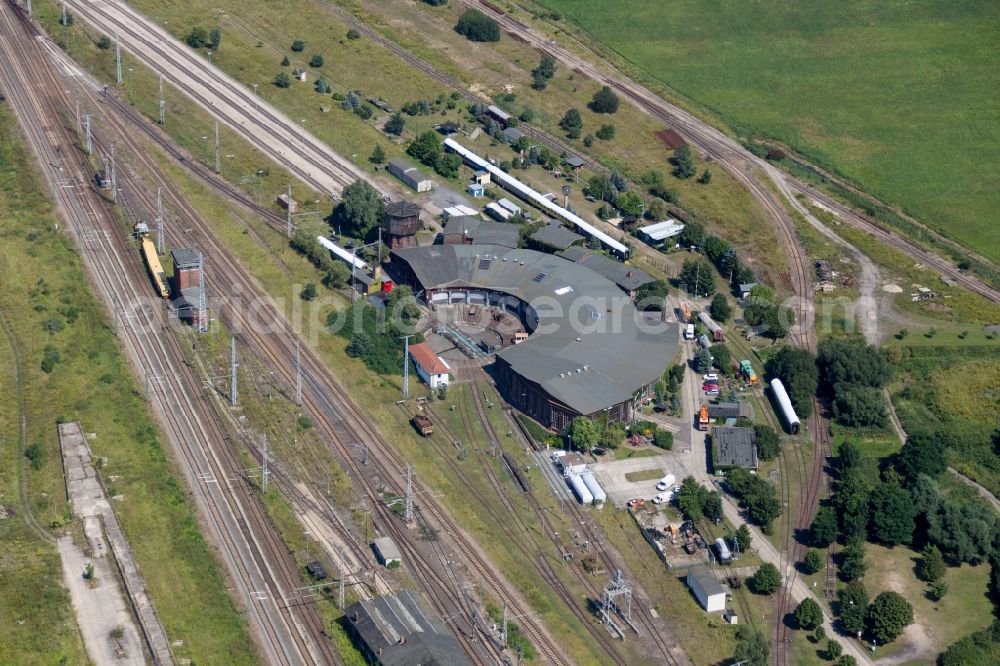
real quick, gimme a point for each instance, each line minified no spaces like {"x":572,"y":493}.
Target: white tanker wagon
{"x":785,"y":406}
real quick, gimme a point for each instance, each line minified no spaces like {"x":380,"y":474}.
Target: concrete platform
{"x":611,"y":476}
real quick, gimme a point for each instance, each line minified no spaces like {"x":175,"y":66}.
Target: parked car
{"x":710,"y":377}
{"x":714,"y":392}
{"x":709,"y":387}
{"x":637,"y":502}
{"x":662,"y":498}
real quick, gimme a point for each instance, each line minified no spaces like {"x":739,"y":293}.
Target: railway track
{"x":319,"y":399}
{"x":253,"y":555}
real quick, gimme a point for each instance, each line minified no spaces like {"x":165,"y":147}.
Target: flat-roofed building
{"x":734,"y":447}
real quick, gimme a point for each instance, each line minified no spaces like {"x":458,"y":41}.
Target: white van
{"x":689,"y":332}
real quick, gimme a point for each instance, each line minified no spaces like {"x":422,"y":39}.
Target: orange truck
{"x":685,"y":311}
{"x":703,"y":418}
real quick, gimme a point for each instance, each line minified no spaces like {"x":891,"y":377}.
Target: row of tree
{"x":852,"y":377}
{"x":756,"y":495}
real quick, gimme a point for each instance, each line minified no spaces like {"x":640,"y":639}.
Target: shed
{"x":476,"y":189}
{"x":555,"y":236}
{"x":397,"y":631}
{"x":431,"y":368}
{"x":387,"y":551}
{"x":512,"y":134}
{"x":287,"y":202}
{"x":459,"y":210}
{"x":731,"y":410}
{"x":745,"y":289}
{"x":448,"y":128}
{"x":509,"y":206}
{"x":482,"y":177}
{"x":573,"y":162}
{"x":708,"y":591}
{"x":656,"y":233}
{"x":734,"y":447}
{"x":410,"y":175}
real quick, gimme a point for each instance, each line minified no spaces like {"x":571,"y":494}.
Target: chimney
{"x":629,"y":274}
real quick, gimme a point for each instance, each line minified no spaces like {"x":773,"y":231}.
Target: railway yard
{"x":300,"y":459}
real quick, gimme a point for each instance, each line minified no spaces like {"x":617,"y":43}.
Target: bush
{"x":104,"y":42}
{"x":477,"y":27}
{"x":664,"y":439}
{"x":197,"y":38}
{"x":364,"y":111}
{"x":49,"y":359}
{"x":36,"y":455}
{"x":285,"y":62}
{"x":605,"y":132}
{"x":282,"y":80}
{"x":308,"y":292}
{"x":316,"y":61}
{"x":353,"y":35}
{"x":766,"y":580}
{"x":823,"y":530}
{"x":932,"y":565}
{"x":378,"y":155}
{"x":683,"y":162}
{"x":852,"y":601}
{"x":67,"y":19}
{"x":298,"y":46}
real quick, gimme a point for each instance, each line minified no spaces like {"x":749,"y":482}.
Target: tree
{"x":378,"y":155}
{"x":36,"y":456}
{"x":812,"y":562}
{"x":844,"y":362}
{"x":833,"y":649}
{"x":360,"y":209}
{"x":316,"y":61}
{"x":585,"y":433}
{"x":690,"y":499}
{"x":477,"y":27}
{"x":353,"y":35}
{"x":887,"y":616}
{"x":605,"y":101}
{"x":796,"y":368}
{"x":823,"y":530}
{"x":629,"y":203}
{"x":753,"y":648}
{"x":613,"y":435}
{"x":104,"y":43}
{"x":852,"y":561}
{"x":702,"y":361}
{"x":768,"y":445}
{"x":308,"y":292}
{"x":852,"y":601}
{"x":395,"y":124}
{"x":719,"y":309}
{"x":744,"y":538}
{"x":321,"y":86}
{"x":923,"y":453}
{"x":282,"y":80}
{"x":663,"y":439}
{"x":285,"y":62}
{"x":336,"y":276}
{"x":215,"y":38}
{"x":847,"y":660}
{"x":650,"y":296}
{"x":66,"y":18}
{"x":808,"y":615}
{"x":713,"y":504}
{"x":858,"y":406}
{"x":937,"y":590}
{"x":932,"y":565}
{"x":364,"y":111}
{"x":965,"y":531}
{"x":360,"y":345}
{"x":197,"y":38}
{"x":656,"y":210}
{"x":298,"y":46}
{"x":693,"y":234}
{"x":605,"y":132}
{"x":777,"y":320}
{"x":546,"y":70}
{"x":699,"y":276}
{"x":706,"y":177}
{"x":851,"y":501}
{"x":892,"y":515}
{"x":683,"y":162}
{"x":572,"y":123}
{"x":766,"y":580}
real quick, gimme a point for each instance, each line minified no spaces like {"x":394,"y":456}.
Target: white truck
{"x":689,"y":332}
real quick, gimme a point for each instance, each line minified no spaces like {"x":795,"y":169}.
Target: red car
{"x":710,"y":386}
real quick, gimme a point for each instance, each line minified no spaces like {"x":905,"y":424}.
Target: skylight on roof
{"x":563,"y":290}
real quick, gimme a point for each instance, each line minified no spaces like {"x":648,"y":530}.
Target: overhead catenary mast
{"x":118,"y":59}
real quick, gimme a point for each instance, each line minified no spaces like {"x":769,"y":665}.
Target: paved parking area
{"x":611,"y":476}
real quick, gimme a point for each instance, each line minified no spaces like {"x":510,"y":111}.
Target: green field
{"x":52,"y":312}
{"x":898,"y":96}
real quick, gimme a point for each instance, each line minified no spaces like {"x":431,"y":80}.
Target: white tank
{"x":723,"y":550}
{"x":593,"y":486}
{"x":580,"y":489}
{"x":785,"y":405}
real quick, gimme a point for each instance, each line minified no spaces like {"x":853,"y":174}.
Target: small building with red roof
{"x":431,"y":368}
